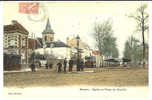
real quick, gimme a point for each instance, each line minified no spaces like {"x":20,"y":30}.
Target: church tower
{"x":48,"y":33}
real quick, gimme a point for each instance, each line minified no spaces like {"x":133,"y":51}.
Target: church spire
{"x":48,"y":28}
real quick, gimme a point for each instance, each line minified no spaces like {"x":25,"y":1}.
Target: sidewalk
{"x":22,"y":70}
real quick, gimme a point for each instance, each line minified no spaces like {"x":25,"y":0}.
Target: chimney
{"x":14,"y":22}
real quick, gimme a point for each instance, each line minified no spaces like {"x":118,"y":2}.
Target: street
{"x":116,"y":76}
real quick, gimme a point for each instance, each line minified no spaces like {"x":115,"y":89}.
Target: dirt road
{"x":100,"y":77}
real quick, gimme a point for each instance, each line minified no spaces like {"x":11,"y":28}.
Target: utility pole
{"x":33,"y":36}
{"x":78,"y":40}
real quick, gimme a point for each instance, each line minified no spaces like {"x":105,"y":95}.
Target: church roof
{"x":57,"y":44}
{"x":48,"y":28}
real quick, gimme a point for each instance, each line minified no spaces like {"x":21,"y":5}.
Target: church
{"x":49,"y":46}
{"x":58,"y":49}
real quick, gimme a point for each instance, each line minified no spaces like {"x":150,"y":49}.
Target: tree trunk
{"x":143,"y":44}
{"x":143,"y":50}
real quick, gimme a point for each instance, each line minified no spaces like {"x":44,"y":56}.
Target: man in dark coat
{"x":70,"y":65}
{"x":65,"y":64}
{"x":32,"y":67}
{"x":81,"y":65}
{"x":59,"y":67}
{"x":50,"y":65}
{"x":46,"y":66}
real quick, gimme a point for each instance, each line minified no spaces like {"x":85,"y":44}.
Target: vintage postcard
{"x":76,"y":49}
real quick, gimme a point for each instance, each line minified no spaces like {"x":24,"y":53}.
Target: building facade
{"x":72,"y":42}
{"x":16,"y":40}
{"x":33,"y":44}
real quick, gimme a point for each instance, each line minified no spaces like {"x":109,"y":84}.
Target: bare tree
{"x":101,"y":31}
{"x":141,"y":16}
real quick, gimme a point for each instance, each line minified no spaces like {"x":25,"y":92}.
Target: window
{"x":45,"y":38}
{"x":23,"y":41}
{"x":12,"y":40}
{"x":51,"y":39}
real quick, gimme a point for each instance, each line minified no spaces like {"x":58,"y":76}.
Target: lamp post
{"x":44,"y":52}
{"x":51,"y":45}
{"x":78,"y":40}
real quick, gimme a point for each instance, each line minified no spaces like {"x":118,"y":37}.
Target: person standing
{"x":32,"y":67}
{"x":50,"y":65}
{"x":70,"y":65}
{"x":65,"y":64}
{"x":46,"y":66}
{"x":59,"y":67}
{"x":81,"y":65}
{"x":39,"y":64}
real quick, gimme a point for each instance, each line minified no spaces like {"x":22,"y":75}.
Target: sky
{"x":77,"y":18}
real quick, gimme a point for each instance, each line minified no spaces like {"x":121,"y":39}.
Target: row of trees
{"x":134,"y":49}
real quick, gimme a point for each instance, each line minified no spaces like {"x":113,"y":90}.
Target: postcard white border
{"x":1,"y":59}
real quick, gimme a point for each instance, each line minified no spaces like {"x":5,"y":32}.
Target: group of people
{"x":65,"y":65}
{"x":33,"y":66}
{"x":59,"y":64}
{"x":71,"y":62}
